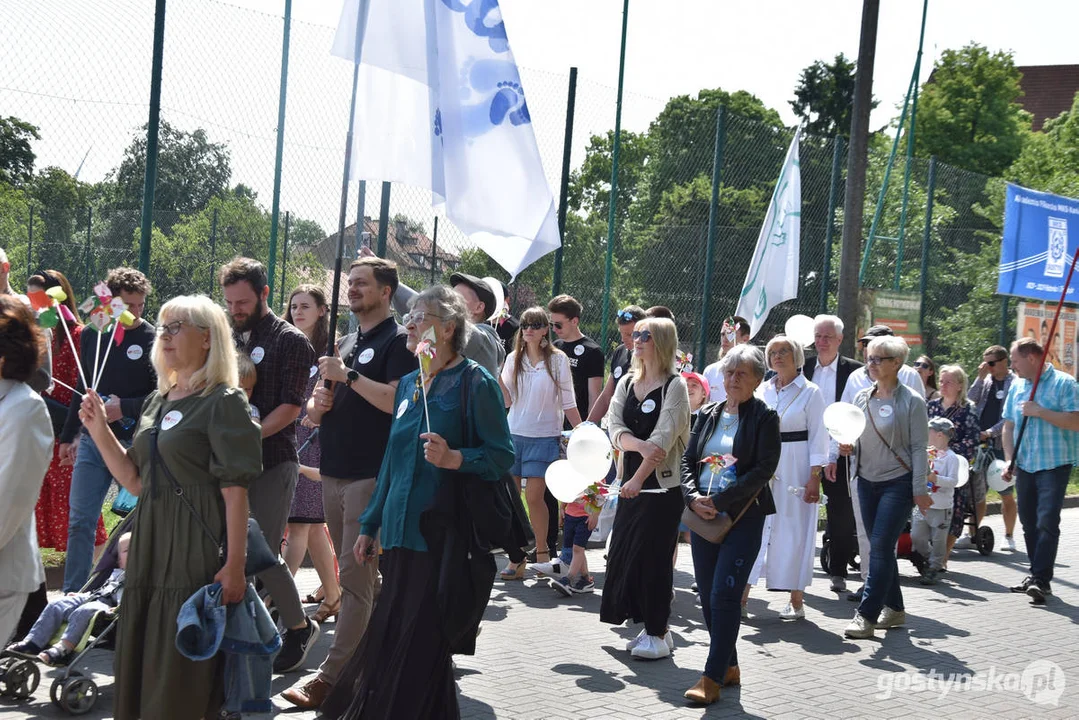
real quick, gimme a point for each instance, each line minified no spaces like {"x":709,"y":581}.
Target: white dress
{"x":790,"y":535}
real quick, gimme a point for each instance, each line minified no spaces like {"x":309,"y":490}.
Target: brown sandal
{"x":325,"y":612}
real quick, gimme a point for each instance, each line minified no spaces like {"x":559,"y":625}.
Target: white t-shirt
{"x":717,"y":393}
{"x":946,"y":466}
{"x":537,"y":406}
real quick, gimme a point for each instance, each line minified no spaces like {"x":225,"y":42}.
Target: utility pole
{"x":854,"y":197}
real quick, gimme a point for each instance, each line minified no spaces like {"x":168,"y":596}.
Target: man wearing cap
{"x":1045,"y":458}
{"x":620,"y":360}
{"x":830,"y":372}
{"x":735,"y":332}
{"x":484,"y":346}
{"x":858,"y":381}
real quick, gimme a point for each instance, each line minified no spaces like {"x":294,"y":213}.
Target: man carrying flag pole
{"x":773,"y":272}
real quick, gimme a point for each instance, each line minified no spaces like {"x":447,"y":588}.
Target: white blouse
{"x":538,"y":405}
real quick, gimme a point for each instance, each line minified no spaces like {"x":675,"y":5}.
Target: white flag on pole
{"x":440,"y":106}
{"x":773,"y":272}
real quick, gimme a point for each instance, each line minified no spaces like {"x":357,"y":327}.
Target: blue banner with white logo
{"x":1035,"y":254}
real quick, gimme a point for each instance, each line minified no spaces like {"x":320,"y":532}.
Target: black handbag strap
{"x":177,"y":489}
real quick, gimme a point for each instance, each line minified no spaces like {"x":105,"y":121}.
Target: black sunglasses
{"x":642,"y":335}
{"x":923,"y":366}
{"x":625,"y":316}
{"x":557,"y":325}
{"x":534,"y":326}
{"x":991,"y":363}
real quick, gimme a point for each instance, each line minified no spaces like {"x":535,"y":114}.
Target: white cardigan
{"x":671,"y":432}
{"x":25,"y":452}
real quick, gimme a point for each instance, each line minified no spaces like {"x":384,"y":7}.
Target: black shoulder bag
{"x":259,"y":556}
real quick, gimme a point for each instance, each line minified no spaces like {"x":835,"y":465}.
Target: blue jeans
{"x":886,"y":508}
{"x":77,"y":610}
{"x":1040,"y":496}
{"x":90,"y":480}
{"x":721,"y":572}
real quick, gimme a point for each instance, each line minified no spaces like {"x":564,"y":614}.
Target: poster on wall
{"x":901,"y":311}
{"x":1034,"y":320}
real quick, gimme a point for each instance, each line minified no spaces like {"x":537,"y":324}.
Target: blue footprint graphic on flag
{"x":500,"y":98}
{"x":484,"y":19}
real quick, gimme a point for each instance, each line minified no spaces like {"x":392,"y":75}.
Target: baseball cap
{"x":942,"y":424}
{"x":875,"y":332}
{"x":700,"y":379}
{"x":481,"y":288}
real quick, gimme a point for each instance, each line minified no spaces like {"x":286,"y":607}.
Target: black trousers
{"x":841,"y":530}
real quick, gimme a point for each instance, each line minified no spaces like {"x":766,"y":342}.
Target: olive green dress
{"x":208,"y":443}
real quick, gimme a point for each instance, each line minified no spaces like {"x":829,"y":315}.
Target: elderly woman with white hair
{"x":789,"y":536}
{"x":891,"y":467}
{"x":195,"y":435}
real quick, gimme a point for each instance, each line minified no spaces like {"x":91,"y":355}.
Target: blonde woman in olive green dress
{"x":213,"y":448}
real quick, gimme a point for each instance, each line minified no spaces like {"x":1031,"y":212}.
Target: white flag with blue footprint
{"x":440,"y":106}
{"x":773,"y":272}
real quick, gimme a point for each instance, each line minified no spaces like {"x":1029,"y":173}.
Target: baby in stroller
{"x":78,"y":610}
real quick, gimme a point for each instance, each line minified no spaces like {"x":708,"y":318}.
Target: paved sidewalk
{"x":544,"y":656}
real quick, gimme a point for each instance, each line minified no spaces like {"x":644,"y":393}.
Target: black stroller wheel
{"x":984,"y":540}
{"x":78,"y":695}
{"x":20,"y":679}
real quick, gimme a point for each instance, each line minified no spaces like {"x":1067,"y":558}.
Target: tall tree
{"x":969,"y":113}
{"x":16,"y":155}
{"x":824,"y":96}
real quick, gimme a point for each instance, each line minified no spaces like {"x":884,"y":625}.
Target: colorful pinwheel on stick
{"x":50,"y":308}
{"x":426,"y":352}
{"x":106,"y":311}
{"x":595,"y":496}
{"x":684,"y":361}
{"x":722,"y":467}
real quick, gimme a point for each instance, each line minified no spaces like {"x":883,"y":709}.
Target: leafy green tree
{"x":590,"y":185}
{"x":824,"y":96}
{"x":16,"y":156}
{"x":1050,"y":158}
{"x":969,"y":113}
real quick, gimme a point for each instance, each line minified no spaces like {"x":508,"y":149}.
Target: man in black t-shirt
{"x":354,"y":421}
{"x":620,"y":360}
{"x":585,"y":356}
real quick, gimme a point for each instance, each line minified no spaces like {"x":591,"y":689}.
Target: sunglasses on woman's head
{"x":642,"y":335}
{"x":625,"y":316}
{"x":535,"y":326}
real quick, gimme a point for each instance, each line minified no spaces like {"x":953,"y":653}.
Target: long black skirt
{"x":402,"y":668}
{"x":640,"y":574}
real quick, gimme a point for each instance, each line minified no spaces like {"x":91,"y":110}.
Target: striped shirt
{"x":1045,"y":446}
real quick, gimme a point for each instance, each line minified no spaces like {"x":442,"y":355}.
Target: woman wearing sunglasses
{"x":649,"y":425}
{"x":537,"y":386}
{"x":891,"y":464}
{"x":927,"y":371}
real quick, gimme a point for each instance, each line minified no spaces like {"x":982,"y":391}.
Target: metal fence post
{"x":284,"y":257}
{"x":30,"y":245}
{"x":150,"y":181}
{"x":713,"y":212}
{"x":829,"y":231}
{"x":434,"y":252}
{"x":567,"y":148}
{"x":213,"y":251}
{"x":932,"y":184}
{"x":89,"y":282}
{"x":276,"y":203}
{"x":383,"y":220}
{"x":361,"y":214}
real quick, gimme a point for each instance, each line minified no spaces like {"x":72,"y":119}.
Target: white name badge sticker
{"x":257,"y":354}
{"x":366,"y":356}
{"x":171,"y":419}
{"x":618,"y":372}
{"x":314,"y":371}
{"x":648,"y":406}
{"x":579,"y":350}
{"x":885,"y":411}
{"x":402,"y":408}
{"x":134,"y":352}
{"x":1000,"y":394}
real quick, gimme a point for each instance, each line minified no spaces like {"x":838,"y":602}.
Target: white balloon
{"x":845,"y":422}
{"x":800,"y":329}
{"x":589,"y":451}
{"x":565,"y":483}
{"x":964,"y":472}
{"x":994,"y":476}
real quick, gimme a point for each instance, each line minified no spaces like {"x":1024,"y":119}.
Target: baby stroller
{"x":984,"y":540}
{"x":72,"y":691}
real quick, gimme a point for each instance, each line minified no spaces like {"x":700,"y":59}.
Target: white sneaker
{"x":551,"y":569}
{"x":651,"y":648}
{"x":792,"y":613}
{"x":964,"y":543}
{"x":860,"y":628}
{"x":892,"y":618}
{"x":1009,"y":542}
{"x":636,"y":641}
{"x":669,"y":639}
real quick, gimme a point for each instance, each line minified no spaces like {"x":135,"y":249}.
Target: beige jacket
{"x":671,"y":433}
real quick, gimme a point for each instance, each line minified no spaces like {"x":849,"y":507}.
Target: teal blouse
{"x":406,"y":482}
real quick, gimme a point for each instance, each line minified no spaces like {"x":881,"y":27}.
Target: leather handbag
{"x":716,"y":529}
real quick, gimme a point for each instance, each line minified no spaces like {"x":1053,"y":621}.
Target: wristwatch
{"x":353,"y":376}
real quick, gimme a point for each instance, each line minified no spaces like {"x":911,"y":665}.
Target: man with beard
{"x":354,"y":426}
{"x":283,"y":358}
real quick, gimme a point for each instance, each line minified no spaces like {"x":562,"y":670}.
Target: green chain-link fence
{"x":79,"y":72}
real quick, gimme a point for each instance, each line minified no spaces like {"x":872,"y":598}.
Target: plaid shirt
{"x":283,"y":360}
{"x":1045,"y":446}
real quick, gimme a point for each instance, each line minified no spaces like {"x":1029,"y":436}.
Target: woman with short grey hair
{"x":443,"y":303}
{"x":891,"y":464}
